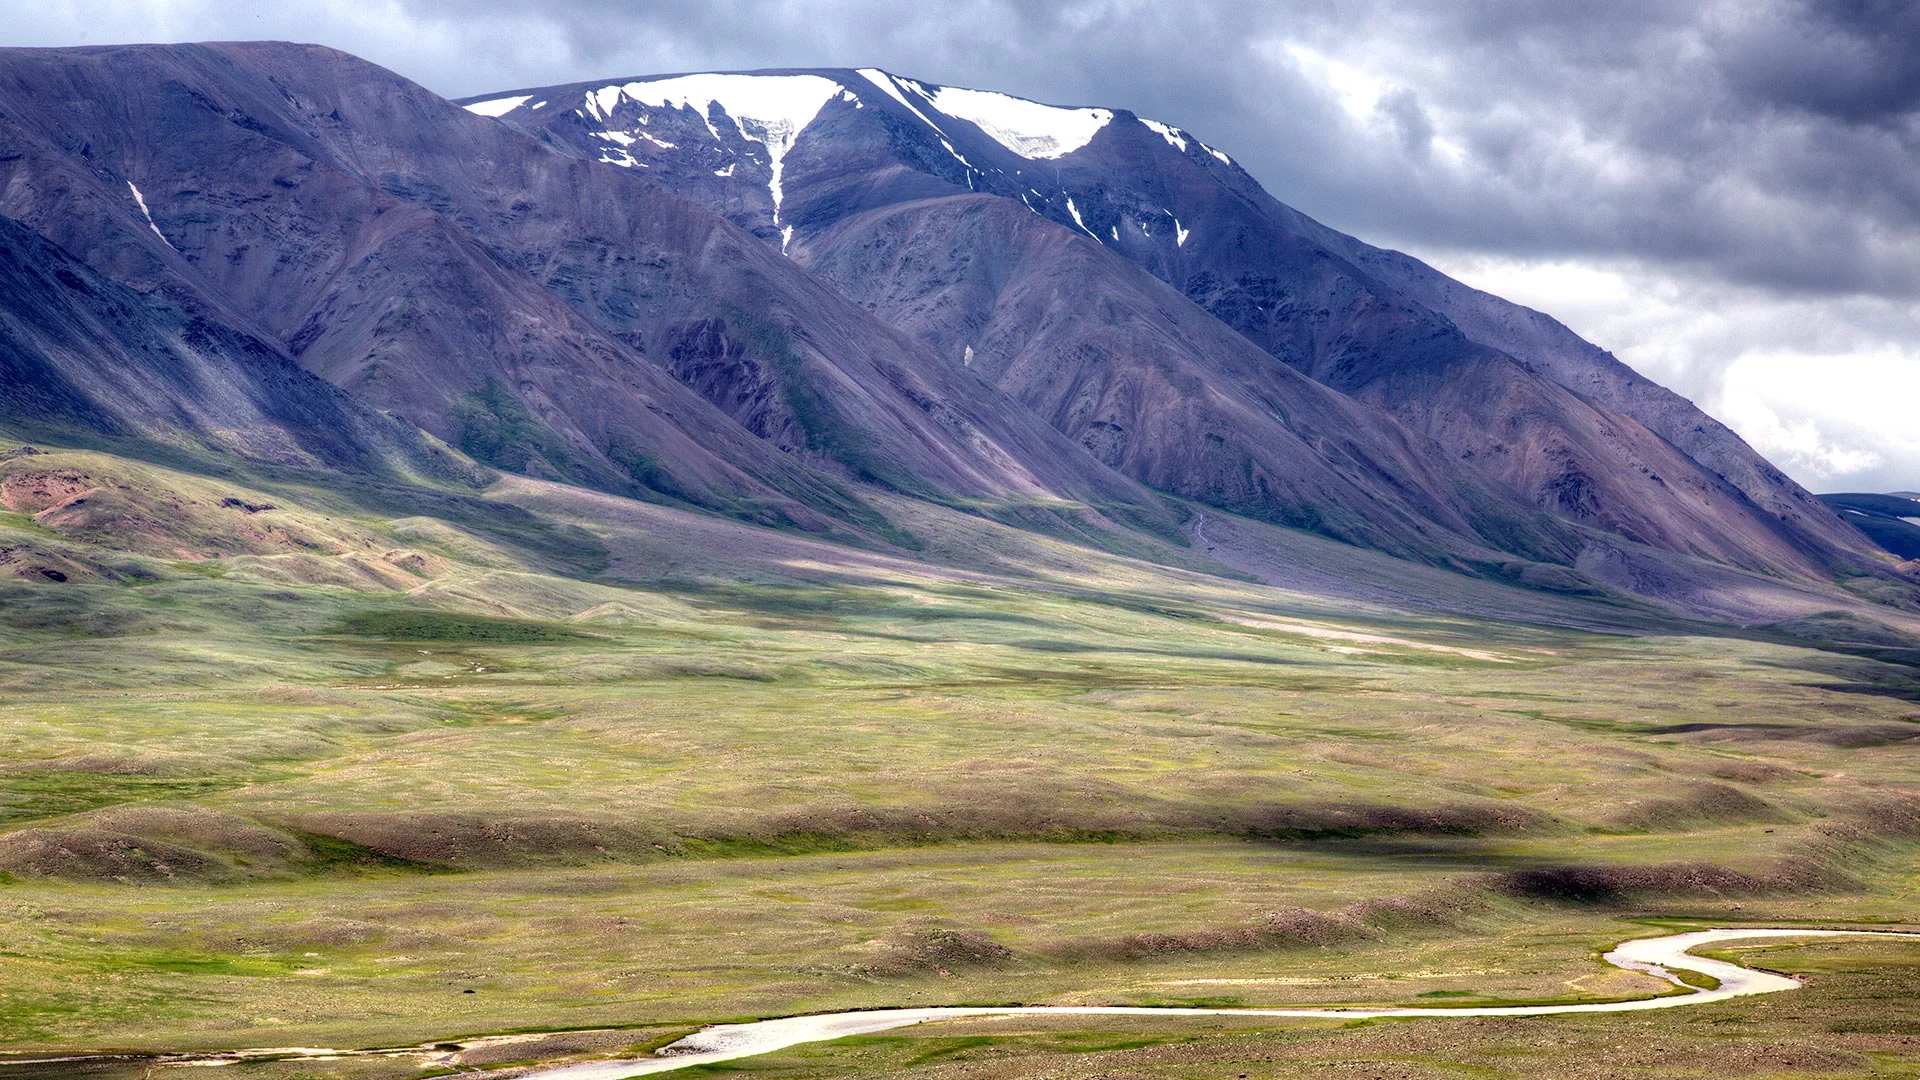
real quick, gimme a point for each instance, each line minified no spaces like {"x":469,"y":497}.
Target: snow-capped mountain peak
{"x":1028,"y":128}
{"x":720,"y":135}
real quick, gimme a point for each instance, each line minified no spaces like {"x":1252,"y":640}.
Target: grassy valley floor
{"x":283,"y":766}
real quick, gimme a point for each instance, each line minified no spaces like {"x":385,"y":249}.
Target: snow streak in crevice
{"x":145,"y":213}
{"x":892,"y":85}
{"x":1075,"y":211}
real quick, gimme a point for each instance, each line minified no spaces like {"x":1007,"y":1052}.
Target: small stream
{"x":1658,"y":956}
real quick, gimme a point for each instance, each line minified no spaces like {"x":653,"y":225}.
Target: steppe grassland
{"x":786,"y":785}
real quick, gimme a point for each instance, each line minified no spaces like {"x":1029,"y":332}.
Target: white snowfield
{"x":771,"y":110}
{"x":774,"y":109}
{"x":497,"y":106}
{"x":1175,"y":138}
{"x":1027,"y":128}
{"x":1658,"y":957}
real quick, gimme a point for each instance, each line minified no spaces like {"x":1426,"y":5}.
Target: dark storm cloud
{"x":1767,"y":143}
{"x":1761,"y":141}
{"x":1400,"y":106}
{"x":1849,"y":60}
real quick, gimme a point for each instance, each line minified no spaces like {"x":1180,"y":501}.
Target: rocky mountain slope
{"x":544,"y":314}
{"x":776,"y":296}
{"x":1004,"y":233}
{"x":565,"y":318}
{"x":80,"y":351}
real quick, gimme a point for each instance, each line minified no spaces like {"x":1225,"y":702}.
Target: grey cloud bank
{"x":1723,"y":193}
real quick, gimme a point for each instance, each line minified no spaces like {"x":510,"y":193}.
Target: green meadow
{"x":287,"y":765}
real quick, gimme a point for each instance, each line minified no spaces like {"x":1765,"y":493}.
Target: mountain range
{"x":791,"y":297}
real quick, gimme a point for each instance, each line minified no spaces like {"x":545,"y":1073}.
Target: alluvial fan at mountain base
{"x":511,"y":582}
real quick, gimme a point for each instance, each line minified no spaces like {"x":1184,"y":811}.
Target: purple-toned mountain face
{"x":1087,"y":261}
{"x":544,"y":314}
{"x":572,"y":318}
{"x":86,"y":353}
{"x":777,"y":296}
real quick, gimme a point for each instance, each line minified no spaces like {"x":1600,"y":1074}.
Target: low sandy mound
{"x":42,"y":563}
{"x":930,"y":948}
{"x":395,"y":570}
{"x":1676,"y":808}
{"x":197,"y":828}
{"x":477,"y":840}
{"x":88,"y":854}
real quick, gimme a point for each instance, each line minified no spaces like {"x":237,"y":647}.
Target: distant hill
{"x":1891,"y":521}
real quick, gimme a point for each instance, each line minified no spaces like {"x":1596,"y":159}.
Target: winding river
{"x":1659,"y":956}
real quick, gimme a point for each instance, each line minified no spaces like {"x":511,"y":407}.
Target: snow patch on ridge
{"x":1168,"y":132}
{"x":498,"y":106}
{"x":601,"y":102}
{"x":886,"y":84}
{"x":892,"y":84}
{"x":1027,"y":128}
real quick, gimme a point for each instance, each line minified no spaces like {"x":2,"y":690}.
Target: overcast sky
{"x":1723,"y":193}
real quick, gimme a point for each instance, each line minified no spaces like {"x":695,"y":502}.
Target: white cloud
{"x":1829,"y":420}
{"x":1358,"y":92}
{"x":1827,"y":388}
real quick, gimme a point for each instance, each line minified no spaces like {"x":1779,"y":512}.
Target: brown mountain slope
{"x":1597,"y":376}
{"x":1221,"y":429}
{"x":426,"y":259}
{"x":1548,"y":419}
{"x":1148,"y":382}
{"x":81,"y":352}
